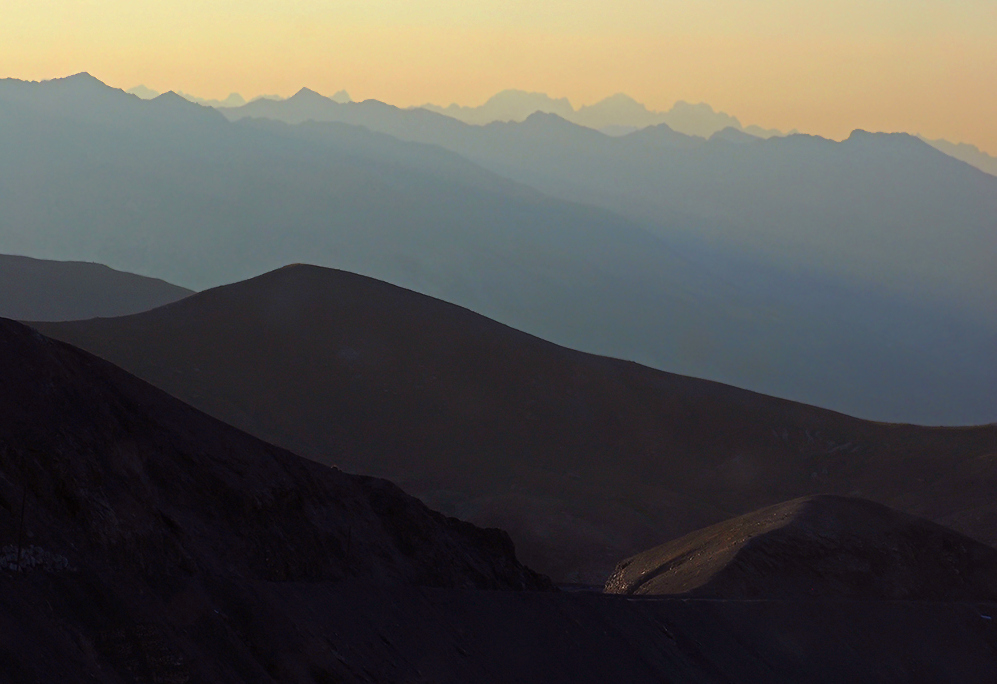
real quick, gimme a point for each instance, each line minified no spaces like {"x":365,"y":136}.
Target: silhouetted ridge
{"x":308,"y":95}
{"x":583,"y":459}
{"x":817,"y":548}
{"x":40,"y":290}
{"x":127,"y":479}
{"x":734,"y":135}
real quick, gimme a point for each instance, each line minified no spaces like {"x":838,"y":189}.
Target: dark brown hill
{"x":42,"y":290}
{"x":816,"y":547}
{"x":584,"y":459}
{"x":163,"y":546}
{"x":119,"y":474}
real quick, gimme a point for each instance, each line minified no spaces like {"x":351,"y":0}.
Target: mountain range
{"x":833,"y":313}
{"x":147,"y":542}
{"x":222,"y":516}
{"x":583,"y":459}
{"x":616,"y":115}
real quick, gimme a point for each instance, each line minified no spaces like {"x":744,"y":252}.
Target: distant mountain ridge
{"x":500,"y":219}
{"x":616,"y":115}
{"x":619,"y":111}
{"x":39,"y":290}
{"x":233,"y":99}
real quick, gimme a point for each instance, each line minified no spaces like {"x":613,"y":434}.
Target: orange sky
{"x":824,"y":67}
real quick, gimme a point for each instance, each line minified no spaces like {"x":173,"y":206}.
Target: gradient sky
{"x":823,"y":66}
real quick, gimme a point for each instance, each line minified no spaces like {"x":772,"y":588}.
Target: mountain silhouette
{"x":970,"y":154}
{"x":614,"y":112}
{"x":38,"y":290}
{"x":137,"y":515}
{"x":860,"y":210}
{"x":583,"y":459}
{"x":145,"y":541}
{"x":508,"y":105}
{"x":816,"y":547}
{"x":843,"y":306}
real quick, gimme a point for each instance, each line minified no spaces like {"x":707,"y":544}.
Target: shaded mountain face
{"x":154,"y":536}
{"x":121,"y":477}
{"x":39,"y":290}
{"x":161,"y":545}
{"x":584,"y":459}
{"x":816,"y":548}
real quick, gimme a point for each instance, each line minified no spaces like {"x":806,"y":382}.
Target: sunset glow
{"x":824,"y":67}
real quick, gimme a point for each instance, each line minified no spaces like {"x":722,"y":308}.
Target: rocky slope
{"x":126,"y":514}
{"x":816,"y":547}
{"x":159,"y":545}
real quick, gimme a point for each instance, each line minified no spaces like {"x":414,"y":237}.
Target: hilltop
{"x":583,"y":459}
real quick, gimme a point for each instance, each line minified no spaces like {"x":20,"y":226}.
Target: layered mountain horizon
{"x":855,"y":276}
{"x":584,"y":459}
{"x":313,"y":390}
{"x":615,"y":115}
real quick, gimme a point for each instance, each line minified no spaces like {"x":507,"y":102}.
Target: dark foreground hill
{"x":163,"y":546}
{"x":129,"y":495}
{"x":816,"y":547}
{"x":41,"y":290}
{"x":583,"y":459}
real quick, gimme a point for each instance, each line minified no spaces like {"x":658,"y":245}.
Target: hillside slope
{"x":39,"y":290}
{"x":816,"y":547}
{"x":162,"y":546}
{"x":584,"y":459}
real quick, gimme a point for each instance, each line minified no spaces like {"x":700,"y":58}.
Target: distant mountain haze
{"x":620,"y":114}
{"x":168,"y":188}
{"x":616,"y":111}
{"x":508,"y":105}
{"x":39,"y":290}
{"x":862,"y":210}
{"x":584,"y":459}
{"x":970,"y":154}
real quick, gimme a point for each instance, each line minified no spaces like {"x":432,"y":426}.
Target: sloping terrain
{"x":118,"y":501}
{"x":816,"y":547}
{"x":39,"y":290}
{"x":159,"y":545}
{"x":583,"y":459}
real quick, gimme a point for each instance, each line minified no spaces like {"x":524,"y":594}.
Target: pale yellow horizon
{"x":823,"y":67}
